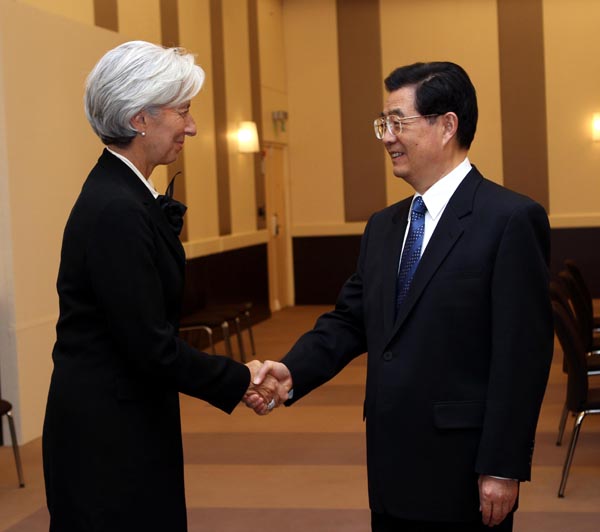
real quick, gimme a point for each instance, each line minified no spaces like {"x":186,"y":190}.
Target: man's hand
{"x":265,"y":391}
{"x":277,"y":370}
{"x":497,"y":497}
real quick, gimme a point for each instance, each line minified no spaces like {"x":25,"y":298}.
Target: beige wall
{"x":314,"y":93}
{"x":438,"y":30}
{"x":239,"y":108}
{"x":273,"y":75}
{"x":139,"y":19}
{"x":573,"y":95}
{"x":48,"y":150}
{"x":199,"y":154}
{"x":317,"y":195}
{"x":78,"y":10}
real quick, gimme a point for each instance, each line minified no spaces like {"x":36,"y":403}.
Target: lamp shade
{"x":247,"y":138}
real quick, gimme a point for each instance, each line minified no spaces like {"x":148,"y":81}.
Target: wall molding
{"x":575,"y":221}
{"x":209,"y":246}
{"x":349,"y":228}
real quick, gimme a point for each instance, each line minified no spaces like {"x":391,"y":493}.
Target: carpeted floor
{"x":303,"y":468}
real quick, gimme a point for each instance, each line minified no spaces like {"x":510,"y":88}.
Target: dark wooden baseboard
{"x":322,"y":264}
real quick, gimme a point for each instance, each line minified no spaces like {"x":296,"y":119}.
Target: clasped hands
{"x":270,"y":384}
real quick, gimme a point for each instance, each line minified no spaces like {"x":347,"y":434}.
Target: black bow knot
{"x":173,"y":209}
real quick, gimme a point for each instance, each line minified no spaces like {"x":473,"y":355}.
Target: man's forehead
{"x":401,"y":101}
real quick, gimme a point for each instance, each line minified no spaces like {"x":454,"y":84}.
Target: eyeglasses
{"x":393,"y":124}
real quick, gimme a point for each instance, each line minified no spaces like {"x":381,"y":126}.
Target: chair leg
{"x":15,"y":446}
{"x":227,"y":339}
{"x":238,"y":331}
{"x":570,"y":453}
{"x":209,"y":333}
{"x":250,"y":334}
{"x":561,"y":425}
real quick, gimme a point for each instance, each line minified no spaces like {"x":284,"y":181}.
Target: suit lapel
{"x":391,"y":259}
{"x":126,"y":178}
{"x":447,"y":232}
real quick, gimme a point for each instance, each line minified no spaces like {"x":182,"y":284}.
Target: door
{"x":279,"y":249}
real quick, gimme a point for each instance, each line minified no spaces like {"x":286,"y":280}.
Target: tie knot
{"x":418,"y":205}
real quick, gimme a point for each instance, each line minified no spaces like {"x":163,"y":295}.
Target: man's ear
{"x":450,"y":126}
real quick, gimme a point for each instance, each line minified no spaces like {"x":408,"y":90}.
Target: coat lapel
{"x":447,"y":232}
{"x":391,"y":259}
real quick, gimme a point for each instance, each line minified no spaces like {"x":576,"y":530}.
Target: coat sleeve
{"x":337,"y":337}
{"x":121,"y":259}
{"x":522,"y":345}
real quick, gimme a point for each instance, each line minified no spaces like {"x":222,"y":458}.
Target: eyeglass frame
{"x":400,"y":121}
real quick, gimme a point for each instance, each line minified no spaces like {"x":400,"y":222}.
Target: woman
{"x":112,"y":438}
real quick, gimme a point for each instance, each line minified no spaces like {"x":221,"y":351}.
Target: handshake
{"x":270,"y":385}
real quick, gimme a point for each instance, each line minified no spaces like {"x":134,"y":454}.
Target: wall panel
{"x":572,"y":80}
{"x":202,"y":217}
{"x":523,"y":93}
{"x":315,"y":153}
{"x":239,"y":108}
{"x":140,"y":19}
{"x":77,"y":10}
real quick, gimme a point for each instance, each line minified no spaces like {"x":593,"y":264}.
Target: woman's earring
{"x":143,"y":133}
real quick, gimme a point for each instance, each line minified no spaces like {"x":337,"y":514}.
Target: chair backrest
{"x":560,"y":295}
{"x":575,"y":356}
{"x":582,"y":286}
{"x":583,"y":315}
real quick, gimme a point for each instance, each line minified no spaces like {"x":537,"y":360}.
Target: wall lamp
{"x":596,"y":127}
{"x":247,"y":136}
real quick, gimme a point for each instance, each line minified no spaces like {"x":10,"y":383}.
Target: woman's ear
{"x":138,"y":122}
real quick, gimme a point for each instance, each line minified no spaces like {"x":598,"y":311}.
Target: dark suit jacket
{"x":112,"y":438}
{"x":455,"y":381}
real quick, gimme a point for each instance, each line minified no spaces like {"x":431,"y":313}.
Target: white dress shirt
{"x":436,"y":198}
{"x":147,"y":182}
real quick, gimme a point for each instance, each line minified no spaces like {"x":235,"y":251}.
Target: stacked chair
{"x":573,"y":325}
{"x":223,"y":315}
{"x":6,"y":410}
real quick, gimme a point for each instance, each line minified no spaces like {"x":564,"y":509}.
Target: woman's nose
{"x":190,"y":126}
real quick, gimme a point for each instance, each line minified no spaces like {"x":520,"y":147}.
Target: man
{"x":450,"y":299}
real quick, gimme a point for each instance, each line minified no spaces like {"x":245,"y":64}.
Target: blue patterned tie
{"x":412,"y":250}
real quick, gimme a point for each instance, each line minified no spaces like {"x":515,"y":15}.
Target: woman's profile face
{"x":166,"y":132}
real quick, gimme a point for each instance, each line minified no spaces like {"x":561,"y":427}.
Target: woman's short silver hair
{"x":136,"y":76}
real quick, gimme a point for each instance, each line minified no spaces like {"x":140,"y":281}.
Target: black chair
{"x":6,"y":410}
{"x":581,"y":400}
{"x":207,"y":321}
{"x":241,"y":312}
{"x":190,"y":330}
{"x":583,"y":311}
{"x":582,"y":286}
{"x":559,"y":292}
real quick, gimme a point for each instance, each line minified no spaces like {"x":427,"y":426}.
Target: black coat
{"x":455,"y":381}
{"x":112,"y":437}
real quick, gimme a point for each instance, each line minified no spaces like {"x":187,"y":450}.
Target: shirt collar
{"x":438,"y":195}
{"x":147,"y":182}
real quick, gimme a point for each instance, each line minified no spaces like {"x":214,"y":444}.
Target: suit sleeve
{"x":121,"y":255}
{"x":522,"y":345}
{"x":337,"y":337}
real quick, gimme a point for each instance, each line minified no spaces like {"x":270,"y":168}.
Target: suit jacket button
{"x":387,"y":356}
